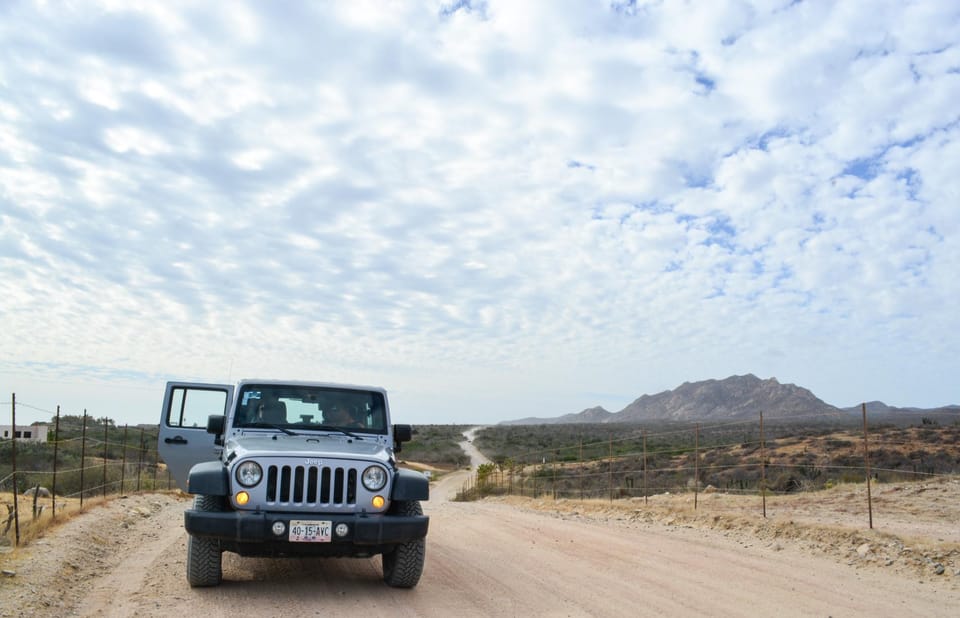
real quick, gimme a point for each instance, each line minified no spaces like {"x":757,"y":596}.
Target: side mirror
{"x":215,"y":424}
{"x":401,"y":434}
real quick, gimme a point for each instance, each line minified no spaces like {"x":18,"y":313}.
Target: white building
{"x":36,"y":432}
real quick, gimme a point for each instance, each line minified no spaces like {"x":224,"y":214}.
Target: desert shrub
{"x":437,"y":445}
{"x":785,"y":482}
{"x":823,"y":454}
{"x":837,"y":443}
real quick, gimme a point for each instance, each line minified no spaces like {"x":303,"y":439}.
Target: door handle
{"x":175,"y":440}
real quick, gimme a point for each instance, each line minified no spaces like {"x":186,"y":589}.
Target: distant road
{"x":476,"y":457}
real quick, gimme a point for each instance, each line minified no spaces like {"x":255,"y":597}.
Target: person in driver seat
{"x":340,"y":415}
{"x":272,"y":410}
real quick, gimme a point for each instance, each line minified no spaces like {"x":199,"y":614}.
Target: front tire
{"x":403,"y":565}
{"x":204,"y":556}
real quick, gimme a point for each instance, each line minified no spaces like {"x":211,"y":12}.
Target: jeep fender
{"x":208,"y":479}
{"x":409,"y":485}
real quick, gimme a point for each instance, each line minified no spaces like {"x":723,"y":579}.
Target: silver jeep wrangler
{"x":292,"y":469}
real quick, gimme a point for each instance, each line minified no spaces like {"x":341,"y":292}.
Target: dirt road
{"x":483,"y":559}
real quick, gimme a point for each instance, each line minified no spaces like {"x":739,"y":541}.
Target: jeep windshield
{"x":286,"y":408}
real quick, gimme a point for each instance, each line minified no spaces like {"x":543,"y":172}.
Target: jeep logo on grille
{"x":312,"y":462}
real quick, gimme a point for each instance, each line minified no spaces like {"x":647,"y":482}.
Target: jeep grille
{"x":311,"y":485}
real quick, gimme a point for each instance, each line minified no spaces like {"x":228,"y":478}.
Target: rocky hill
{"x":596,"y":414}
{"x":733,"y":398}
{"x":878,"y":409}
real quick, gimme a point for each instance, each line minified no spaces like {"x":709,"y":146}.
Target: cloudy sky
{"x":494,"y":209}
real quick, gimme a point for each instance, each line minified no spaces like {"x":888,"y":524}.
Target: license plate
{"x":309,"y":531}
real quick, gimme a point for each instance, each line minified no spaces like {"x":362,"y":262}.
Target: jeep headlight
{"x":374,"y":478}
{"x":249,"y":473}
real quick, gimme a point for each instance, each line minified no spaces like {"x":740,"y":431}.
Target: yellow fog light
{"x":242,"y":498}
{"x":378,"y":502}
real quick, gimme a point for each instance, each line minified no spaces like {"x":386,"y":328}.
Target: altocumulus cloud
{"x":495,"y":209}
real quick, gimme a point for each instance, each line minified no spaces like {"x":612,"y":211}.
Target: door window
{"x":190,"y":407}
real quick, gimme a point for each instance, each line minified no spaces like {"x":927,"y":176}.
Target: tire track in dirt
{"x":116,"y":592}
{"x":492,"y":559}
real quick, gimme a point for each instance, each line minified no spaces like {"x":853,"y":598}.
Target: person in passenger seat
{"x":340,"y":415}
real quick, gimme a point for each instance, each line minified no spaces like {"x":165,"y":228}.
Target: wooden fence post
{"x":56,"y":443}
{"x":83,"y":455}
{"x":13,"y":454}
{"x":644,"y":467}
{"x":581,"y":468}
{"x":696,"y":465}
{"x":554,"y":487}
{"x":763,"y":468}
{"x":123,"y":459}
{"x":866,"y":463}
{"x":610,"y":467}
{"x":522,"y":468}
{"x":105,"y":443}
{"x":536,"y":478}
{"x":156,"y":470}
{"x":140,"y":460}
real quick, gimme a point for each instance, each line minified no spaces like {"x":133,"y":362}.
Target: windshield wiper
{"x":333,"y":428}
{"x":259,"y":425}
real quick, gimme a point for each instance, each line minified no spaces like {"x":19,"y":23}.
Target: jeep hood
{"x":306,"y":446}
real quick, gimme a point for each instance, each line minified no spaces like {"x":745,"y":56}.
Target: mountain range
{"x":733,"y":398}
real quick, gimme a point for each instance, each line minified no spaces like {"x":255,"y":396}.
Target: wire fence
{"x":739,"y":458}
{"x":40,"y":479}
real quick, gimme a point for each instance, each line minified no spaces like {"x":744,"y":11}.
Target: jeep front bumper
{"x":256,"y":527}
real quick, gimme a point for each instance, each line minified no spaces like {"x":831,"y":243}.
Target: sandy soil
{"x":513,"y":556}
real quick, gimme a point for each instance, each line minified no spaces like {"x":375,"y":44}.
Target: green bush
{"x":437,"y":445}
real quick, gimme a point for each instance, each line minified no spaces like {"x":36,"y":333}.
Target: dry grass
{"x":32,"y":528}
{"x":914,"y":523}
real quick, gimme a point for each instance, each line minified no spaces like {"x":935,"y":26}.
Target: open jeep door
{"x":183,"y":440}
